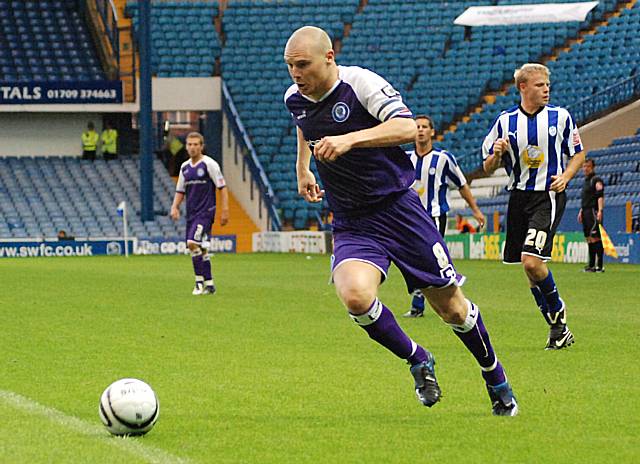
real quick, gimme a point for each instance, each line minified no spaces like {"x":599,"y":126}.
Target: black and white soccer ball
{"x":129,"y":407}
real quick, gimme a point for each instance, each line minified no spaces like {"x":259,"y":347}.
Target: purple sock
{"x":475,"y":337}
{"x":382,"y":327}
{"x":206,"y":266}
{"x":196,"y":259}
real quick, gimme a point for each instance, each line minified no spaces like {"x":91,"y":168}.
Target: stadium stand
{"x":442,"y":72}
{"x":184,"y":40}
{"x":41,"y":195}
{"x":252,"y":67}
{"x":600,"y":60}
{"x":45,"y":41}
{"x":460,"y":77}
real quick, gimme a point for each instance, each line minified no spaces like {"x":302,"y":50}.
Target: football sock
{"x":592,"y":254}
{"x":196,"y":259}
{"x":475,"y":337}
{"x":550,"y":292}
{"x":382,"y":327}
{"x":206,"y":266}
{"x":541,"y":302}
{"x":418,"y":300}
{"x":599,"y":252}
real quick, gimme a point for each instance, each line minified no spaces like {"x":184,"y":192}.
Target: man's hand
{"x":224,"y":217}
{"x":308,"y":188}
{"x":175,"y":213}
{"x":559,"y":183}
{"x":329,"y":148}
{"x":599,"y":216}
{"x":500,"y":147}
{"x":580,"y":216}
{"x":477,"y":214}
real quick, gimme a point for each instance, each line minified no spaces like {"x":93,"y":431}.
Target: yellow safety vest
{"x":175,"y":146}
{"x":89,"y":140}
{"x":109,"y":140}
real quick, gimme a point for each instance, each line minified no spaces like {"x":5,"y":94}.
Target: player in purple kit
{"x":352,"y":121}
{"x":198,"y":179}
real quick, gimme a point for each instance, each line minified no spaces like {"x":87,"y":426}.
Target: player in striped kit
{"x":352,"y":122}
{"x":436,"y":172}
{"x":531,"y":140}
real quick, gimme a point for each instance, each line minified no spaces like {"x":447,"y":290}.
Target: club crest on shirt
{"x":340,"y":112}
{"x":200,"y":172}
{"x":432,"y":171}
{"x":552,"y":131}
{"x":533,"y":156}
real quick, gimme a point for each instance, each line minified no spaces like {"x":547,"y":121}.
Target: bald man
{"x":352,"y":121}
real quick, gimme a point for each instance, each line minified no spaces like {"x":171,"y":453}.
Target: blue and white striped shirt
{"x":537,"y":142}
{"x":435,"y":173}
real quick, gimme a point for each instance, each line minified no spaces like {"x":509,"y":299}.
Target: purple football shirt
{"x":363,"y":179}
{"x":198,"y":183}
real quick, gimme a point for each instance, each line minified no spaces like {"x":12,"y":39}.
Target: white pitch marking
{"x":131,"y":446}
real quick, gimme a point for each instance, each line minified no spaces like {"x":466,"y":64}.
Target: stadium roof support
{"x":146,"y":130}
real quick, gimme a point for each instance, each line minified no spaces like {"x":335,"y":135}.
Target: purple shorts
{"x":198,"y":228}
{"x":402,"y":234}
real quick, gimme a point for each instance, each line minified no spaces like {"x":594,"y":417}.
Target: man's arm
{"x":494,"y":160}
{"x":395,"y":131}
{"x":224,"y":199}
{"x":307,"y":185}
{"x":175,"y":207}
{"x":559,"y":183}
{"x":600,"y":209}
{"x":465,"y":192}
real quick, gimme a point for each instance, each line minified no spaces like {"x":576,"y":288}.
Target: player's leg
{"x":196,"y":260}
{"x":517,"y":226}
{"x":417,"y":305}
{"x":195,"y":231}
{"x":209,"y":286}
{"x":356,"y":283}
{"x":546,"y":214}
{"x":464,"y":318}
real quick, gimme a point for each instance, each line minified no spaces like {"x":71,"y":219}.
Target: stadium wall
{"x":45,"y":130}
{"x":568,"y":247}
{"x":621,"y":123}
{"x":44,"y":134}
{"x":239,"y":178}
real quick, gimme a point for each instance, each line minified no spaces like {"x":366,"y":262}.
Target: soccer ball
{"x":129,"y":407}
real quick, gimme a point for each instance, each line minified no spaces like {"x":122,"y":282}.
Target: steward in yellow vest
{"x":89,"y":142}
{"x":109,"y":140}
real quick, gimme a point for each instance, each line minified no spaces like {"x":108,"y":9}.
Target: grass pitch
{"x":271,"y":370}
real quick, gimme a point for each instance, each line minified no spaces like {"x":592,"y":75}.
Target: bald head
{"x":311,"y":61}
{"x":313,"y":38}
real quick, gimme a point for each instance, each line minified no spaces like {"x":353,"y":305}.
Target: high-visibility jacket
{"x":109,"y":141}
{"x":89,"y":140}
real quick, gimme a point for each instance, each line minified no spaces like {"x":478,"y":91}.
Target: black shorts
{"x":441,"y":223}
{"x":590,"y":224}
{"x":532,"y":220}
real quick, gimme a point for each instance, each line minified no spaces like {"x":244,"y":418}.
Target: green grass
{"x":271,"y":370}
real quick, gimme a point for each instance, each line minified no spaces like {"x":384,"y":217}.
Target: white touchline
{"x":131,"y":446}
